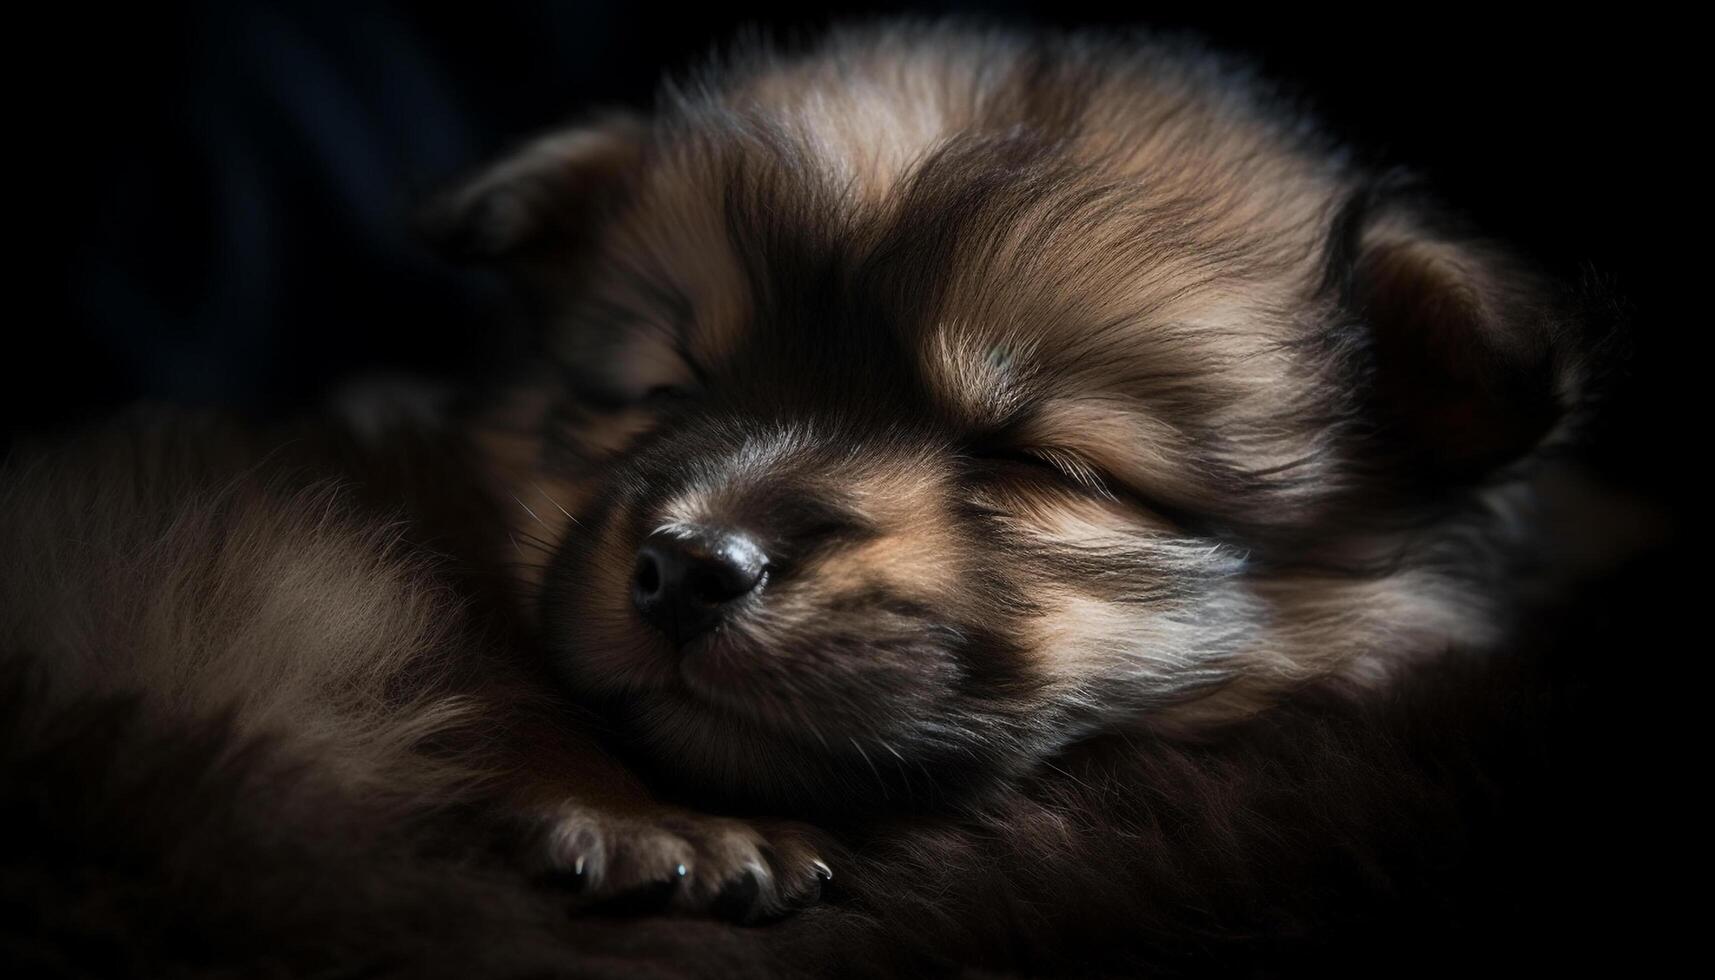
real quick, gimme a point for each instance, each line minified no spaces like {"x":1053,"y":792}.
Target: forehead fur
{"x":1114,"y":248}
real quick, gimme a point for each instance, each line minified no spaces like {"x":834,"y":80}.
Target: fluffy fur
{"x":1070,"y":385}
{"x":1149,"y":490}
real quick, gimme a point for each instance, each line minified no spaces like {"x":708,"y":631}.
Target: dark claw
{"x":820,"y":888}
{"x":737,"y":901}
{"x":813,"y":894}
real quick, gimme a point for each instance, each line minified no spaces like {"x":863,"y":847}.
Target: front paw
{"x":668,"y":858}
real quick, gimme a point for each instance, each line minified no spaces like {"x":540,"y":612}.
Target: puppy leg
{"x":590,"y":825}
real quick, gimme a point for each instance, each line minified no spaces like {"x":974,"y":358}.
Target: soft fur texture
{"x":1069,"y":385}
{"x":1171,"y":524}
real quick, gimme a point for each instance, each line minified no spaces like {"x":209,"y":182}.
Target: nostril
{"x":646,"y":578}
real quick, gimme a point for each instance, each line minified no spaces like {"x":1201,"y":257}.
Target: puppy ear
{"x":543,"y":199}
{"x":1477,"y":357}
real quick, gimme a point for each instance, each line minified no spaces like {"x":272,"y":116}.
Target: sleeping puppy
{"x":911,"y":410}
{"x":916,"y":407}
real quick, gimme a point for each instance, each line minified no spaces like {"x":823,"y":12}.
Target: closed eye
{"x":602,"y":396}
{"x":1067,"y":468}
{"x":662,"y":395}
{"x":1071,"y":471}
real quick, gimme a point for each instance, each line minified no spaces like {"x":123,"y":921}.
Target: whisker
{"x":541,"y":543}
{"x":556,"y":504}
{"x":879,"y":781}
{"x":527,"y":509}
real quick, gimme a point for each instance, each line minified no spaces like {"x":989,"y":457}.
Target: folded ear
{"x":546,"y":198}
{"x":1477,"y":357}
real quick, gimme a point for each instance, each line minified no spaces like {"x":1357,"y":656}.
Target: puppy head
{"x":922,"y":404}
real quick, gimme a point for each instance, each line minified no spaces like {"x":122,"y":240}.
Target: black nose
{"x":686,"y":579}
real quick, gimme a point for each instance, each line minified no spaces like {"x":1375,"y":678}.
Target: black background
{"x":222,"y":191}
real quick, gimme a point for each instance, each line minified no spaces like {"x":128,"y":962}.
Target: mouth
{"x":717,"y":675}
{"x":786,"y":691}
{"x":706,"y":673}
{"x":799,"y":721}
{"x":722,"y":678}
{"x":727,"y":684}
